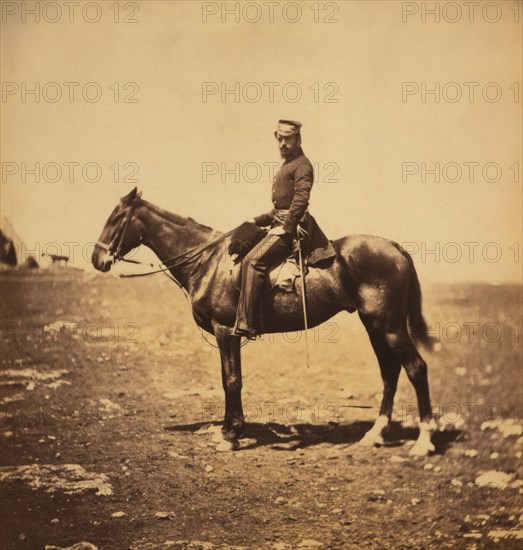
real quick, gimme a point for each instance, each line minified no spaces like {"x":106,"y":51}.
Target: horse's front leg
{"x":234,"y":422}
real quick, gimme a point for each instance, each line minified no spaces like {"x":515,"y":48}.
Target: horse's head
{"x":119,"y":235}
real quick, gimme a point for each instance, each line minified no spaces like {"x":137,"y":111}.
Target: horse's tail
{"x":418,"y":326}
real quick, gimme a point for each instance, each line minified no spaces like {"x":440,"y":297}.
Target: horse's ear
{"x":130,"y":197}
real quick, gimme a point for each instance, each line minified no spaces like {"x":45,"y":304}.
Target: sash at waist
{"x":281,"y":213}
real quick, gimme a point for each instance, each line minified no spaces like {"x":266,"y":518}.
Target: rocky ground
{"x":111,"y":399}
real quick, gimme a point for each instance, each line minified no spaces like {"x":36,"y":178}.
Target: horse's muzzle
{"x":101,"y":260}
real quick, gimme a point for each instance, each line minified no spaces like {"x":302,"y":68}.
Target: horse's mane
{"x":176,"y":219}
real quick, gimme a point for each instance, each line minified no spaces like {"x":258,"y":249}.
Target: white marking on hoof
{"x":372,"y":439}
{"x":424,"y":445}
{"x":422,"y":448}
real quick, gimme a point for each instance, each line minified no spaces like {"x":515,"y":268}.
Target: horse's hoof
{"x":226,"y":446}
{"x":422,"y":448}
{"x":372,"y":440}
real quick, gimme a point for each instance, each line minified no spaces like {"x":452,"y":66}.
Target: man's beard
{"x":288,"y":153}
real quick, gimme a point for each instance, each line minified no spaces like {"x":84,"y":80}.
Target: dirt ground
{"x":110,"y":397}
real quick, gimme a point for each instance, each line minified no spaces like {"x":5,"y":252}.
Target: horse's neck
{"x":169,"y":235}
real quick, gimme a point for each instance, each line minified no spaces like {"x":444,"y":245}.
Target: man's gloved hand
{"x":278,"y":230}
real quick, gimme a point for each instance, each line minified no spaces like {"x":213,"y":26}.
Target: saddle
{"x":243,"y":240}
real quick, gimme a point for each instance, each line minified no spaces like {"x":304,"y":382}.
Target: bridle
{"x":114,"y":248}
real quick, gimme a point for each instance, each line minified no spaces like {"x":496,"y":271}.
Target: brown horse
{"x":372,"y":275}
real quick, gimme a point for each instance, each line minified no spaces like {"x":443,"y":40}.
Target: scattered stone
{"x":493,"y":478}
{"x":226,"y":446}
{"x":493,"y":456}
{"x":472,"y":535}
{"x":33,"y":374}
{"x":162,"y":515}
{"x":108,"y":405}
{"x":57,"y":384}
{"x":437,"y":469}
{"x":174,"y":454}
{"x":415,"y":501}
{"x":69,"y":478}
{"x":506,"y":534}
{"x":471,"y":453}
{"x":279,"y":500}
{"x":285,"y":445}
{"x":77,"y":546}
{"x":508,"y":427}
{"x":118,"y":515}
{"x":55,"y":520}
{"x":428,"y":466}
{"x":310,"y":543}
{"x":12,"y":398}
{"x":457,"y":483}
{"x":396,"y":458}
{"x":209,"y":468}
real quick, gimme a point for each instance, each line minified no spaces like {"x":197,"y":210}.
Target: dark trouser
{"x":268,"y":253}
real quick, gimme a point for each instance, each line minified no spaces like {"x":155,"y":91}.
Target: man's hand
{"x":278,"y":230}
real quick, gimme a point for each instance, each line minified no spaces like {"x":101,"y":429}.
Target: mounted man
{"x":288,"y":220}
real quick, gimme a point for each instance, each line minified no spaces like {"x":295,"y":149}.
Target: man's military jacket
{"x":291,"y":191}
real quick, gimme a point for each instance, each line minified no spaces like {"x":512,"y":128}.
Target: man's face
{"x":289,"y":145}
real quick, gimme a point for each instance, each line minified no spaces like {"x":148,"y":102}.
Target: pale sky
{"x":367,"y":136}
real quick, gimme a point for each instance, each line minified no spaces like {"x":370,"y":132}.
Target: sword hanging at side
{"x":303,"y":300}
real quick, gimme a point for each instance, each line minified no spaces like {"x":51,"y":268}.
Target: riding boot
{"x":268,"y":253}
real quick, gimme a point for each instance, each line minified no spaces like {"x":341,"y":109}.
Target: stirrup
{"x":243,"y":333}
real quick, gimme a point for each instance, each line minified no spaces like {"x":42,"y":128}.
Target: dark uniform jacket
{"x":291,"y":191}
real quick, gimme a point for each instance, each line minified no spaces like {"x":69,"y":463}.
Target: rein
{"x":115,"y":246}
{"x":195,"y":252}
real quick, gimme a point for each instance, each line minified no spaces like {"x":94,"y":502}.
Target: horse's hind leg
{"x":416,"y":369}
{"x":393,"y":348}
{"x":390,"y":367}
